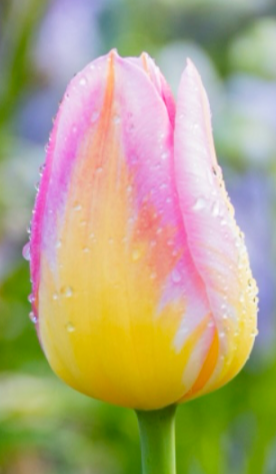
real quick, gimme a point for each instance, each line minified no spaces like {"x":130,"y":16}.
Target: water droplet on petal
{"x":58,"y":244}
{"x":176,"y":276}
{"x":26,"y":252}
{"x":55,"y":296}
{"x":199,"y":204}
{"x":215,"y":210}
{"x":67,"y":291}
{"x":33,"y":317}
{"x":136,"y":254}
{"x":31,"y":298}
{"x":70,"y":327}
{"x":242,"y":298}
{"x":82,"y":82}
{"x":77,"y":207}
{"x":42,"y":168}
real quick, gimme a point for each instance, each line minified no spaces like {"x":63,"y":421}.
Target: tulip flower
{"x":142,"y":291}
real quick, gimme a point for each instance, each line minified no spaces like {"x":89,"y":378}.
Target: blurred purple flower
{"x":252,"y":196}
{"x":69,"y":38}
{"x":251,"y":113}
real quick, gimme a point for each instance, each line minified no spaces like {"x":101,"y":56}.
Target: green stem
{"x":157,"y":440}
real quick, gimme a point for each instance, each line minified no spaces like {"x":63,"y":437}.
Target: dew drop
{"x":215,"y":210}
{"x":70,"y":327}
{"x":176,"y":276}
{"x":55,"y":296}
{"x":82,"y":82}
{"x":42,"y":168}
{"x":67,"y":291}
{"x":86,"y":250}
{"x":26,"y":252}
{"x":242,"y":298}
{"x":200,"y":204}
{"x":136,"y":254}
{"x":33,"y":317}
{"x":31,"y":298}
{"x":77,"y":207}
{"x":164,"y":155}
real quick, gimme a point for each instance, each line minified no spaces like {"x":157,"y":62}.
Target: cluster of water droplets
{"x":218,"y":206}
{"x":66,"y":292}
{"x":26,"y":251}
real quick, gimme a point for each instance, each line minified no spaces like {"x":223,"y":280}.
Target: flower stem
{"x":157,"y":440}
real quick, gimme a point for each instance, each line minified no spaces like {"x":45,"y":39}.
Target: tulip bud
{"x":142,"y":290}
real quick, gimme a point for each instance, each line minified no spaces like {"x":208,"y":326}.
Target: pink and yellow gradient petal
{"x":214,"y":239}
{"x":129,"y":275}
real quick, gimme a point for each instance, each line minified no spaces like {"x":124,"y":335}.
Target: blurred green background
{"x":45,"y":427}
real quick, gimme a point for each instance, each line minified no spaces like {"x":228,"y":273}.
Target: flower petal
{"x":121,"y":306}
{"x":214,"y":240}
{"x":148,"y":65}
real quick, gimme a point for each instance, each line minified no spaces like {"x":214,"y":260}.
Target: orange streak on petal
{"x":207,"y":368}
{"x":145,"y":63}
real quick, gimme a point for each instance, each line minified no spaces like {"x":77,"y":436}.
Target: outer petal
{"x":214,"y":240}
{"x":147,"y":64}
{"x":123,"y":311}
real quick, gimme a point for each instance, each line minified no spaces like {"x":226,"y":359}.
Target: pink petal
{"x":214,"y":240}
{"x":148,"y":65}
